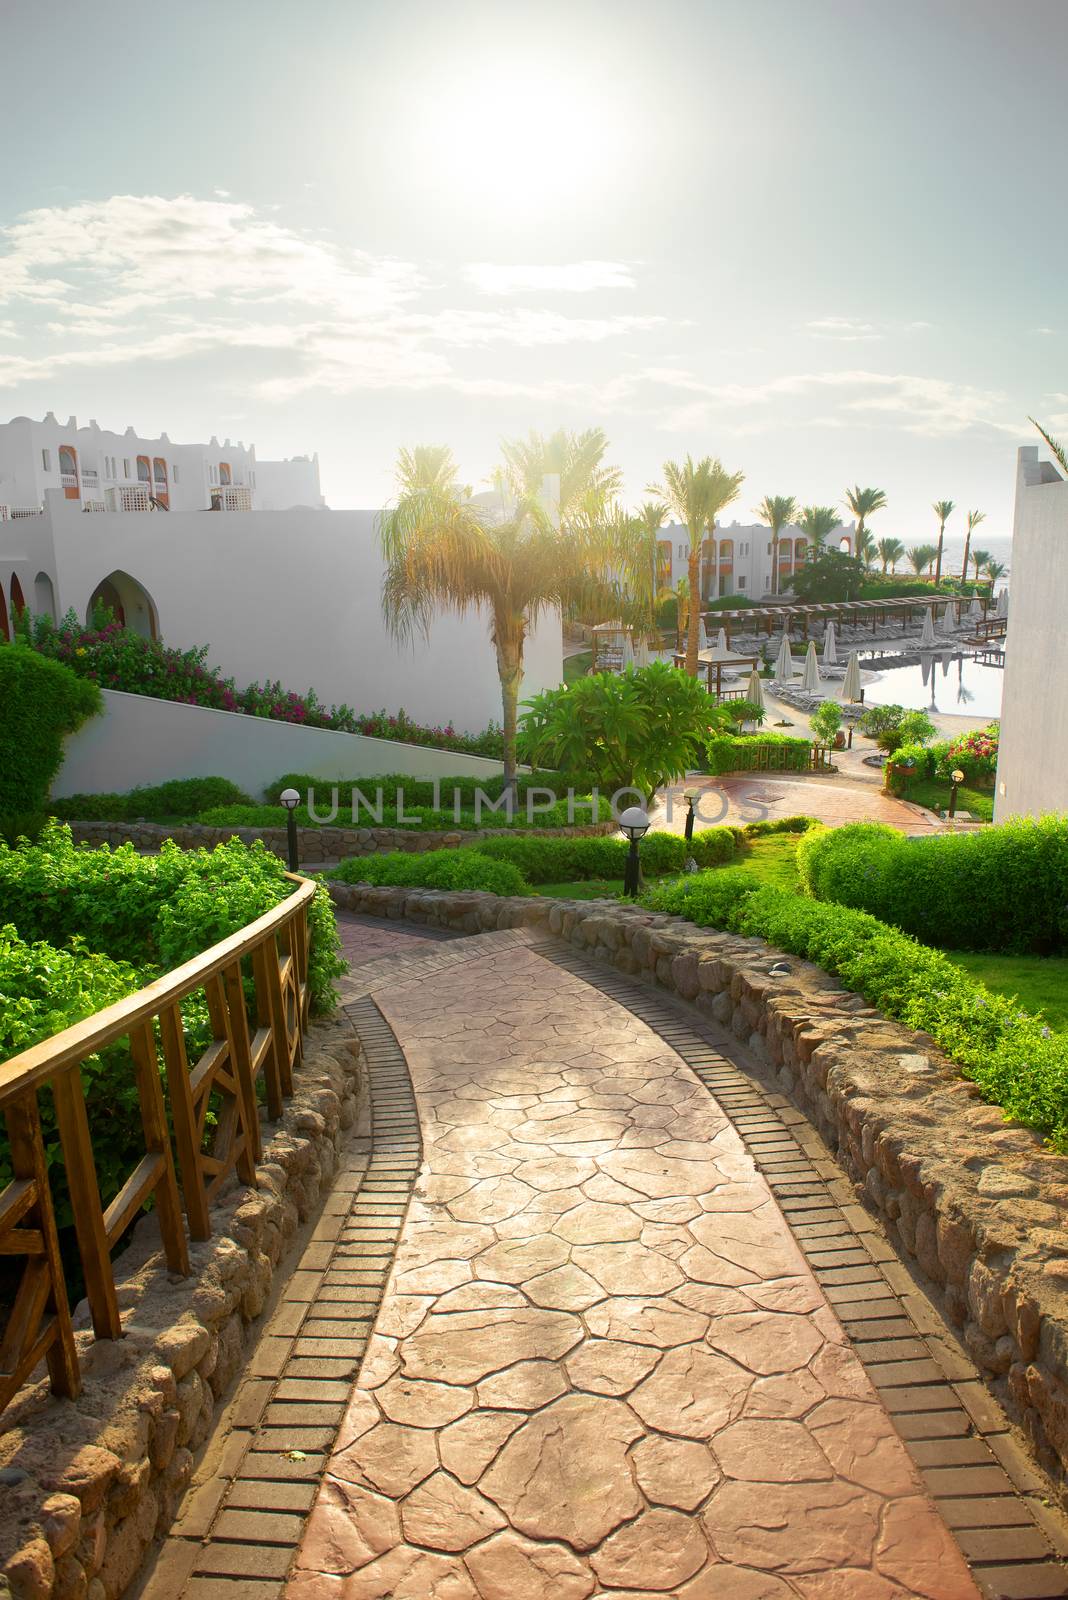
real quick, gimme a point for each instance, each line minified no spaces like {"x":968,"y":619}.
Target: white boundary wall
{"x":1033,"y":756}
{"x":143,"y":741}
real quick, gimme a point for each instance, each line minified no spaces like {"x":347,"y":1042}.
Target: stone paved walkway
{"x":601,"y":1366}
{"x":736,"y":800}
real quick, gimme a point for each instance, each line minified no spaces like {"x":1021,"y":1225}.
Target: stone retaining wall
{"x":315,"y":844}
{"x":974,"y":1204}
{"x":86,"y":1485}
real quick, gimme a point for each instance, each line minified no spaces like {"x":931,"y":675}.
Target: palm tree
{"x":587,"y":486}
{"x":920,"y":557}
{"x":974,"y":519}
{"x":865,"y":543}
{"x":994,"y":569}
{"x":979,"y":561}
{"x":862,"y":502}
{"x":445,"y":553}
{"x":776,"y":510}
{"x":637,"y":538}
{"x":943,"y":510}
{"x":428,"y":466}
{"x":697,"y":492}
{"x":890,"y":553}
{"x":817,"y":523}
{"x":1059,"y":452}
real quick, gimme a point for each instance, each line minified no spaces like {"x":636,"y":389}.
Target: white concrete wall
{"x":1032,"y":774}
{"x":141,"y":741}
{"x":291,"y":595}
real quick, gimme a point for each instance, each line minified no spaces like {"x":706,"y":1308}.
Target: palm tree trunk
{"x":694,"y":621}
{"x":938,"y":562}
{"x":510,"y":671}
{"x":967,"y":549}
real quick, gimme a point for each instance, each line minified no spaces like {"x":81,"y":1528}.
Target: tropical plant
{"x":697,"y":492}
{"x":894,"y":726}
{"x":993,"y":570}
{"x":41,"y":701}
{"x":890,"y":553}
{"x":518,"y":560}
{"x":615,"y":731}
{"x":826,"y":720}
{"x":980,"y":561}
{"x":776,"y":510}
{"x":863,"y":503}
{"x":943,"y":510}
{"x":637,"y":538}
{"x":974,"y":519}
{"x":426,"y":466}
{"x":828,"y":575}
{"x":817,"y":523}
{"x":681,"y":596}
{"x":921,"y":556}
{"x":865,"y":547}
{"x":1059,"y":452}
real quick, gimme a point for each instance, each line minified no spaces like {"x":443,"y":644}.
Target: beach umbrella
{"x":953,"y":612}
{"x":927,"y":633}
{"x":754,"y":689}
{"x":628,"y":653}
{"x":784,"y":661}
{"x":851,"y":682}
{"x":1003,"y":603}
{"x":641,"y":653}
{"x":811,"y":683}
{"x":946,"y":659}
{"x":721,"y":640}
{"x":946,"y":620}
{"x":702,"y":636}
{"x":925,"y":667}
{"x":975,"y":609}
{"x":830,"y":646}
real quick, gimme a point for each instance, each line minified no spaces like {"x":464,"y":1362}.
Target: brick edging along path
{"x":972,"y":1203}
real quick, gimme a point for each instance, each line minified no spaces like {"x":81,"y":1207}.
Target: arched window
{"x":18,"y":599}
{"x":159,"y":475}
{"x":5,"y":632}
{"x":224,"y":472}
{"x":44,"y":596}
{"x":131,"y":602}
{"x":845,"y":544}
{"x":68,"y":471}
{"x":663,"y":576}
{"x":800,"y":549}
{"x":709,"y":584}
{"x":144,"y":470}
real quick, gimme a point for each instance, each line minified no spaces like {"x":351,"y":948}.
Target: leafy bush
{"x":826,"y":720}
{"x":1005,"y":888}
{"x":573,"y":860}
{"x":1014,"y":1058}
{"x":434,"y":869}
{"x":181,"y":797}
{"x":893,"y":726}
{"x":757,"y":830}
{"x":975,"y":754}
{"x":40,"y":702}
{"x":741,"y":711}
{"x":155,"y":911}
{"x":117,"y":658}
{"x":743,"y":753}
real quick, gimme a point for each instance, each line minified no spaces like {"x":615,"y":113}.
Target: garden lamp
{"x":635,"y":824}
{"x":956,"y":777}
{"x":690,"y":796}
{"x":291,"y":800}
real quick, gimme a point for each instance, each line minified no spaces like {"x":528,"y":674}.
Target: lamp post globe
{"x":956,"y":777}
{"x":635,"y":824}
{"x":290,"y":798}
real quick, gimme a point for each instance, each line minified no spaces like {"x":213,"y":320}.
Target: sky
{"x":824,"y":240}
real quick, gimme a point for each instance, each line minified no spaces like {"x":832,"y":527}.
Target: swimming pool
{"x":954,"y":684}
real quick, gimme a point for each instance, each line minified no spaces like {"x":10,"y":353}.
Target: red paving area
{"x":602,"y":1367}
{"x":738,"y":800}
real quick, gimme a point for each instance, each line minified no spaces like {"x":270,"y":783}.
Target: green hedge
{"x":40,"y":702}
{"x":1004,"y":889}
{"x":414,"y":816}
{"x":154,"y":911}
{"x":1014,"y":1058}
{"x":434,"y":869}
{"x":572,"y":860}
{"x":181,"y":797}
{"x":743,"y":753}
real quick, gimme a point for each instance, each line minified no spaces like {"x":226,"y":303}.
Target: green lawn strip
{"x":577,"y":666}
{"x":584,"y":889}
{"x":934,"y":794}
{"x":771,"y":859}
{"x":1037,"y":983}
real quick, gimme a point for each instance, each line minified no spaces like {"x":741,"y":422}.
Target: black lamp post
{"x":635,"y":824}
{"x":690,"y":796}
{"x":291,"y":800}
{"x":956,"y":777}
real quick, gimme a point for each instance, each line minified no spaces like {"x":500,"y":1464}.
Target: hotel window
{"x":126,"y":467}
{"x":46,"y":460}
{"x":741,"y":583}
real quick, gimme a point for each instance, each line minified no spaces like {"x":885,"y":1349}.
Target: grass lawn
{"x":584,"y":889}
{"x":770,"y":858}
{"x":1040,"y":983}
{"x":934,"y":794}
{"x":577,"y":666}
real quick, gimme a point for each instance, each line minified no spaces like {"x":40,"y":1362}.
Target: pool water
{"x":953,"y":684}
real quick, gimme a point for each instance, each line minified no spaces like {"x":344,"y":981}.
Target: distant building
{"x":105,"y":471}
{"x":738,"y":560}
{"x":1033,"y":758}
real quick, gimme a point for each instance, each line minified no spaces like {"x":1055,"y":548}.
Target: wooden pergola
{"x":853,"y":613}
{"x":714,"y":661}
{"x":602,"y":632}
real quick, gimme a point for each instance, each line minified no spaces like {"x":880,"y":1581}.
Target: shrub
{"x":436,"y":869}
{"x":180,"y":797}
{"x":756,"y":830}
{"x":40,"y":702}
{"x":826,"y":720}
{"x":975,"y":754}
{"x":572,"y":860}
{"x":745,"y":752}
{"x":893,"y":726}
{"x":1005,"y":888}
{"x":1013,"y":1057}
{"x":142,"y":910}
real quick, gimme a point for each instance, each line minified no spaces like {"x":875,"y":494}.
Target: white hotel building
{"x":738,"y":560}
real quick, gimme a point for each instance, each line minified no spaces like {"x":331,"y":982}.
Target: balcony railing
{"x":225,"y":1076}
{"x":69,"y":480}
{"x":9,"y":513}
{"x":129,"y":497}
{"x":231,"y":497}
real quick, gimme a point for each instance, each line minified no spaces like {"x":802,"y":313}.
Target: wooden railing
{"x":225,"y":1074}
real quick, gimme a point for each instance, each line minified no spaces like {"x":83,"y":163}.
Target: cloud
{"x":847,"y":328}
{"x":1044,"y":331}
{"x":149,"y":278}
{"x":574,"y":277}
